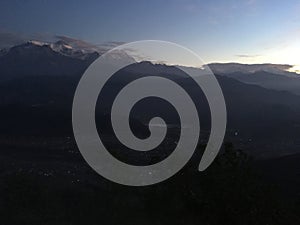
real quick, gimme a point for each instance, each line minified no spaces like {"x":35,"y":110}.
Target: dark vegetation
{"x":231,"y":191}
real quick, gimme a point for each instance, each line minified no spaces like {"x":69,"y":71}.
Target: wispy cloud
{"x":101,"y":48}
{"x":8,"y":39}
{"x":251,"y":2}
{"x":247,"y":56}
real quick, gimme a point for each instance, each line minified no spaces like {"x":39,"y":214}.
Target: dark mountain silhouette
{"x":36,"y":99}
{"x":38,"y":82}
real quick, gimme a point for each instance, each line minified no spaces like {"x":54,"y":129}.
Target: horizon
{"x":102,"y":48}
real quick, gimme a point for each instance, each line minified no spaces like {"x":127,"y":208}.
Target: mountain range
{"x":38,"y":80}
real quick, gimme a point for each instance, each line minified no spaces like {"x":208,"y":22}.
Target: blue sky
{"x":248,"y":31}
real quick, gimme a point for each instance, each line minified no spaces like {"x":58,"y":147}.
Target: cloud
{"x":8,"y":39}
{"x":247,"y":56}
{"x":111,"y":44}
{"x":101,"y":48}
{"x":76,"y":42}
{"x":250,"y":2}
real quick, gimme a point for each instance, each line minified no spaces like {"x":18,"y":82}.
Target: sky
{"x":245,"y":31}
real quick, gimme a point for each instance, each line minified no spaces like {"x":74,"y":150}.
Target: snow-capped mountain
{"x":67,"y":49}
{"x":35,"y":58}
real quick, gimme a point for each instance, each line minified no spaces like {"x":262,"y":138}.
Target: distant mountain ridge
{"x":229,"y":68}
{"x":270,"y":76}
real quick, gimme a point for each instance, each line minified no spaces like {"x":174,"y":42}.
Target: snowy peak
{"x":37,"y":43}
{"x":60,"y":46}
{"x":66,"y":49}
